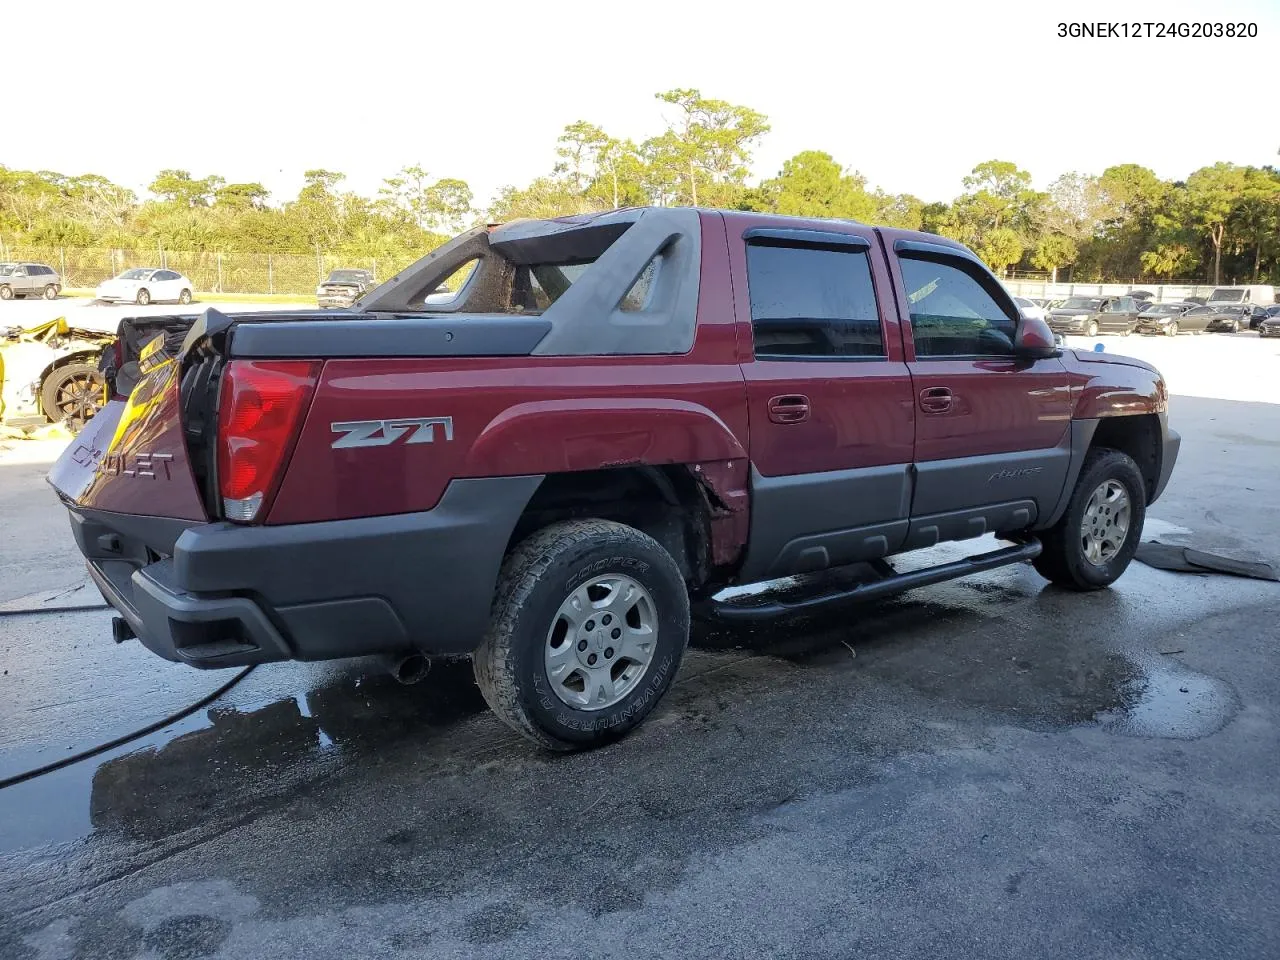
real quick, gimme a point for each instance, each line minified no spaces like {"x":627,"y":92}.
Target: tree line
{"x":1221,"y":223}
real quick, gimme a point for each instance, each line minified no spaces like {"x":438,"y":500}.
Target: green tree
{"x":179,"y":188}
{"x":706,"y":148}
{"x":1170,"y":259}
{"x":812,"y":184}
{"x":242,"y":196}
{"x":899,"y":210}
{"x":1210,"y":198}
{"x":430,"y":204}
{"x":1000,"y":248}
{"x":1053,"y":251}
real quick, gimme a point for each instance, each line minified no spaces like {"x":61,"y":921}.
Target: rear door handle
{"x":789,"y":408}
{"x":935,"y":399}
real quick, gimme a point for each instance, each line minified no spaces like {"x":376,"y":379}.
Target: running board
{"x":895,"y":583}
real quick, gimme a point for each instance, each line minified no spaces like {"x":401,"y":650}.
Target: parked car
{"x":143,"y":285}
{"x":473,"y":479}
{"x":1091,"y":316}
{"x":1251,"y":294}
{"x":53,"y":369}
{"x":344,"y":287}
{"x":29,"y":280}
{"x":1270,"y":327}
{"x":1029,"y":308}
{"x":1168,"y":319}
{"x":1232,"y":317}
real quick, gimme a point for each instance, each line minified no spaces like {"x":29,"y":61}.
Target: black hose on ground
{"x":121,"y":741}
{"x":32,"y":611}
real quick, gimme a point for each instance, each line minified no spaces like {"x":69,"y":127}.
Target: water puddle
{"x":1168,"y":701}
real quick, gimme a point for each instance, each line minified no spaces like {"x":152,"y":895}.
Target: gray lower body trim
{"x":319,"y":591}
{"x":1171,"y":443}
{"x":812,"y":521}
{"x":1079,"y":439}
{"x":966,"y":524}
{"x":946,"y":486}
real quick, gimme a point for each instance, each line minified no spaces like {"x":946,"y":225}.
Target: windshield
{"x":1162,"y":309}
{"x":348,"y":276}
{"x":1081,"y":303}
{"x":6,"y":269}
{"x":136,"y":274}
{"x":1228,"y":295}
{"x":1200,"y":311}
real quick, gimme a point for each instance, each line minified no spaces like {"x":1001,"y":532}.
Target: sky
{"x":911,"y":94}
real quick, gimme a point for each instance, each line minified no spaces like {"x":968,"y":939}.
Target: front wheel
{"x":6,"y":293}
{"x":590,"y":622}
{"x":73,"y":394}
{"x":1092,"y":329}
{"x":143,"y":298}
{"x":1172,"y":329}
{"x":1092,"y":544}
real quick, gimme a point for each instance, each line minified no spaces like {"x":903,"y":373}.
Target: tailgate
{"x":132,"y":457}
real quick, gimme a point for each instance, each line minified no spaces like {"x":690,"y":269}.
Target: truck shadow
{"x":985,"y":646}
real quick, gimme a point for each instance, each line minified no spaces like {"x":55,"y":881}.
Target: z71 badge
{"x":383,"y":433}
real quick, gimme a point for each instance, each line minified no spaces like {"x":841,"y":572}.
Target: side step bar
{"x":726,"y":611}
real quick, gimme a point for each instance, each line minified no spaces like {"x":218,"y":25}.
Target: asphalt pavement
{"x":986,"y":768}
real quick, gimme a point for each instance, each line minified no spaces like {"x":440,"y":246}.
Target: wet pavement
{"x":989,"y":767}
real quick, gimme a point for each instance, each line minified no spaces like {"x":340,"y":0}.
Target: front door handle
{"x":935,"y":399}
{"x":789,"y":408}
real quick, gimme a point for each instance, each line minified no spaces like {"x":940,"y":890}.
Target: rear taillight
{"x":259,"y":414}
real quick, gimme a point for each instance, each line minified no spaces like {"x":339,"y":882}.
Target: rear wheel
{"x":143,"y":298}
{"x":1092,"y":329}
{"x":72,"y":394}
{"x":184,"y":297}
{"x":1092,"y":544}
{"x":590,"y":622}
{"x":51,"y":292}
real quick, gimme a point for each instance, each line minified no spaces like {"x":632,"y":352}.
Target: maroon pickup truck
{"x":615,"y":417}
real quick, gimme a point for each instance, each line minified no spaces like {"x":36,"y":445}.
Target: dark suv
{"x":1090,"y":316}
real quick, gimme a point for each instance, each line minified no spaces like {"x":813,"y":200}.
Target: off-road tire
{"x":536,"y":578}
{"x":1062,"y":560}
{"x":143,"y":298}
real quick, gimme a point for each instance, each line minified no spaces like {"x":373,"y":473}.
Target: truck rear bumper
{"x":231,"y":595}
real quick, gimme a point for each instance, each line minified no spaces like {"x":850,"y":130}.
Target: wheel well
{"x":1139,"y":437}
{"x":667,"y":503}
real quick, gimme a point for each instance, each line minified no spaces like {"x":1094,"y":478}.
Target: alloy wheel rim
{"x":1105,"y":525}
{"x":601,"y":642}
{"x":79,"y":398}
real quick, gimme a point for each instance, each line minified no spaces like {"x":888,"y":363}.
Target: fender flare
{"x":595,"y":433}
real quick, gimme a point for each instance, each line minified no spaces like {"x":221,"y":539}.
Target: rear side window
{"x":952,"y":315}
{"x":812,"y":302}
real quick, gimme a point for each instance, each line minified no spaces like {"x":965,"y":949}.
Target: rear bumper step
{"x":895,"y":583}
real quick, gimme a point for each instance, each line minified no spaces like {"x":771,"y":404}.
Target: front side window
{"x":812,"y":302}
{"x":952,"y":314}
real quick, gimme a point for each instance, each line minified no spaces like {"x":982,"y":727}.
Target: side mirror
{"x":1033,"y":340}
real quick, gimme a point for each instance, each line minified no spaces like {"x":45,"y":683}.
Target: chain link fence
{"x":270,"y":273}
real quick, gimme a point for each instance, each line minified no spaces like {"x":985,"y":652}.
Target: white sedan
{"x":1029,"y":308}
{"x":144,"y":285}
